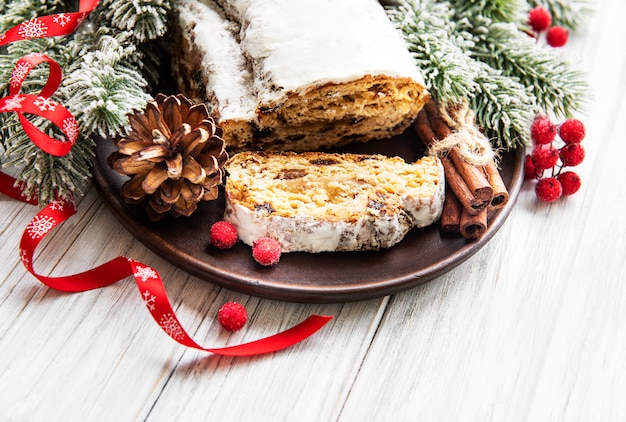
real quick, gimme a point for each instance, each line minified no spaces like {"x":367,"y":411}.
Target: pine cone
{"x":175,"y":155}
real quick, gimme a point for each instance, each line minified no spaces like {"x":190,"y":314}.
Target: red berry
{"x":572,"y":155}
{"x":232,"y":316}
{"x":266,"y":251}
{"x":570,"y":182}
{"x":542,"y":130}
{"x":539,"y":19}
{"x":548,"y":189}
{"x":557,"y":36}
{"x":572,"y":131}
{"x":545,"y":157}
{"x":223,"y":235}
{"x":529,"y":168}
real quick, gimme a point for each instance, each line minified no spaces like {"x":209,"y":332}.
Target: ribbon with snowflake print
{"x":150,"y":286}
{"x":148,"y":280}
{"x":56,"y":25}
{"x":41,"y":105}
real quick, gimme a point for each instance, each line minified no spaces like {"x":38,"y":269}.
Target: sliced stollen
{"x":323,"y":202}
{"x":296,"y":75}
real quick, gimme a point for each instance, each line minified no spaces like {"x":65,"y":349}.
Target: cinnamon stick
{"x":500,"y":192}
{"x":473,"y":176}
{"x":473,"y":226}
{"x":451,"y":214}
{"x":439,"y":126}
{"x":423,"y":129}
{"x":457,"y":184}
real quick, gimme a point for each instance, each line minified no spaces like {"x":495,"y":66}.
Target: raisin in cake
{"x":318,"y":202}
{"x":296,"y":75}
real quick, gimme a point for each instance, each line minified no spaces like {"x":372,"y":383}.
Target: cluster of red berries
{"x":266,"y":251}
{"x":549,"y":154}
{"x":540,"y":20}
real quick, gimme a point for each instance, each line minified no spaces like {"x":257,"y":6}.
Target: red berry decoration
{"x":223,"y":235}
{"x":557,"y":36}
{"x":232,"y":316}
{"x":542,"y":130}
{"x":529,"y":168}
{"x":545,"y":157}
{"x":572,"y":155}
{"x":539,"y":19}
{"x":548,"y":189}
{"x":572,"y":131}
{"x":266,"y":251}
{"x":570,"y":182}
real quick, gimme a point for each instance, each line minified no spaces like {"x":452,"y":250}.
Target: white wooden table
{"x":531,"y":328}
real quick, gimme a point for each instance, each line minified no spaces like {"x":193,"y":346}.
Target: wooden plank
{"x":306,"y":383}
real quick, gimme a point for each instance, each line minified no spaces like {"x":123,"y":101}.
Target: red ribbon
{"x":148,"y":280}
{"x":41,"y":105}
{"x":49,"y":26}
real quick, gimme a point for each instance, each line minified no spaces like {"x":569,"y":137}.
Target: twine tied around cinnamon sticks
{"x":474,"y":187}
{"x":463,"y":136}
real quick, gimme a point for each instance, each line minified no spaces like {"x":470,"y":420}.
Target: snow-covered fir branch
{"x":477,"y":50}
{"x":504,"y":108}
{"x":441,"y":47}
{"x":47,"y":177}
{"x":495,"y":10}
{"x":438,"y":50}
{"x":105,"y":86}
{"x":556,"y":84}
{"x":145,"y":19}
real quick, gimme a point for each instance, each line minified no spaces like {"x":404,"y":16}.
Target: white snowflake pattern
{"x":70,"y":128}
{"x":24,"y":257}
{"x":62,"y":19}
{"x":81,"y":18}
{"x":13,"y":103}
{"x":170,"y":325}
{"x":33,"y":28}
{"x":149,"y":300}
{"x":19,"y":73}
{"x":45,"y":104}
{"x":145,"y":273}
{"x":39,"y":226}
{"x":57,"y":205}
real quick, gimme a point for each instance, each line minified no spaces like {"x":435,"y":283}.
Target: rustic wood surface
{"x":532,"y":327}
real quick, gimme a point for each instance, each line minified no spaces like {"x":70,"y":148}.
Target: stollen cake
{"x":323,"y":202}
{"x":296,"y":75}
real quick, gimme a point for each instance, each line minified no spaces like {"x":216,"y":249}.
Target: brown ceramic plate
{"x":304,"y":277}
